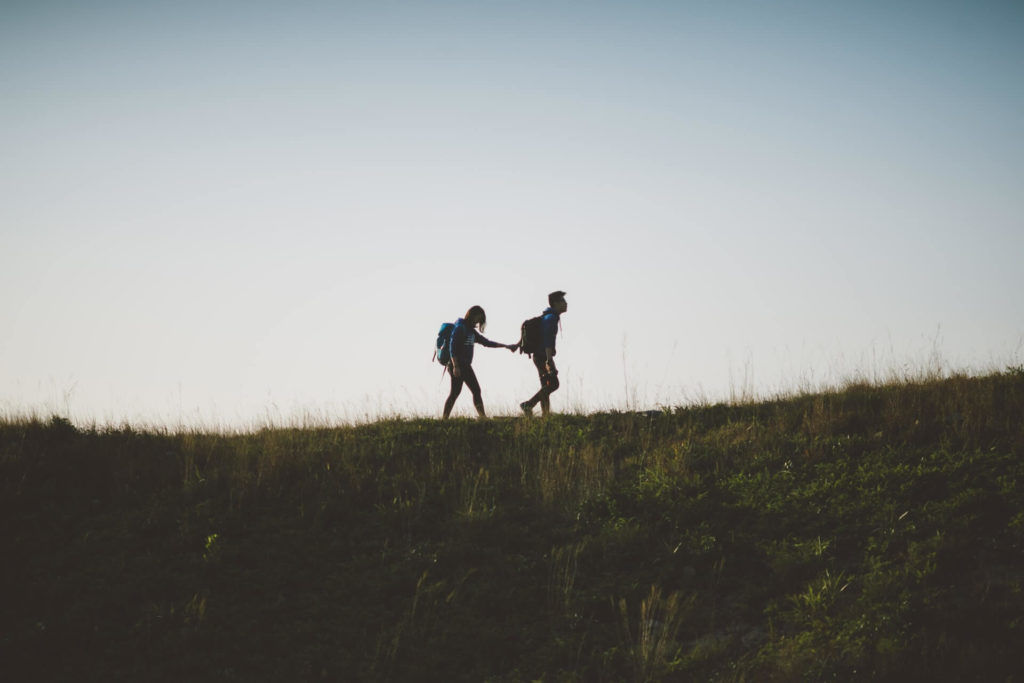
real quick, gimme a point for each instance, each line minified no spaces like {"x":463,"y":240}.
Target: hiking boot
{"x":526,"y":408}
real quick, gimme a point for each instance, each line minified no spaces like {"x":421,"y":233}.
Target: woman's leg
{"x":453,"y":394}
{"x":474,"y":386}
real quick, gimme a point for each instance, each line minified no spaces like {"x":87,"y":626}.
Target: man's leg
{"x":548,"y":383}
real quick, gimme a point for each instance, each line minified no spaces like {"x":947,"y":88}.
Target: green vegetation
{"x":873,"y":533}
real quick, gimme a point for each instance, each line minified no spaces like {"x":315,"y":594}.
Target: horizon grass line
{"x":935,"y":369}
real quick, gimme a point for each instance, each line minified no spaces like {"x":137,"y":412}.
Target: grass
{"x":868,"y":532}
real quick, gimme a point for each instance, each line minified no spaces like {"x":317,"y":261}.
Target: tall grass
{"x":651,"y":634}
{"x":871,"y":530}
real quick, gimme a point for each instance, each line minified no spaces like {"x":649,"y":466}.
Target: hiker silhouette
{"x":456,"y":352}
{"x":538,"y":340}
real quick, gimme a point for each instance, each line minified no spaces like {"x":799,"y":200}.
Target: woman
{"x":464,"y":336}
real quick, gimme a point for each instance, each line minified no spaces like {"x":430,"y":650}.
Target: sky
{"x":246,"y":213}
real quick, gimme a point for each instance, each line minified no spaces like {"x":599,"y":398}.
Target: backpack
{"x":442,"y":349}
{"x":531,"y":336}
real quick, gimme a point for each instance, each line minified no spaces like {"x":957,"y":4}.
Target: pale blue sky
{"x":228,"y":212}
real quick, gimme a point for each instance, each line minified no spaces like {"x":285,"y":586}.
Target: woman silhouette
{"x":463,"y":338}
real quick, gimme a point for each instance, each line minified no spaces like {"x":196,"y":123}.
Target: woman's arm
{"x":484,"y":341}
{"x":456,"y":346}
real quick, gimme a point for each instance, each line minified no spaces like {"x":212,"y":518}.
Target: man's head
{"x":557,"y":301}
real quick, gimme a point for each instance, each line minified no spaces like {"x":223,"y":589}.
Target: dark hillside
{"x":873,"y":533}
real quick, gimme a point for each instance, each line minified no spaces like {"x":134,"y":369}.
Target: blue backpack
{"x":442,"y":350}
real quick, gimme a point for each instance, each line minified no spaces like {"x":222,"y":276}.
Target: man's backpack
{"x":442,"y":349}
{"x":531,"y":336}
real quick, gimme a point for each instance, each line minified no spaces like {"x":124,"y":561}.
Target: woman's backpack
{"x":442,"y":349}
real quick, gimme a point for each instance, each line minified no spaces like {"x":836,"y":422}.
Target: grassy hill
{"x":870,"y":533}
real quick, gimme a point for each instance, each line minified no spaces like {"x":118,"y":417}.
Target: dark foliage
{"x":872,"y":533}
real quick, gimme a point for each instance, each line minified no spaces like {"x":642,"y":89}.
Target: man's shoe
{"x":527,"y":408}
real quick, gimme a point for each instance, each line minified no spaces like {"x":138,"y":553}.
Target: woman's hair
{"x":479,"y":312}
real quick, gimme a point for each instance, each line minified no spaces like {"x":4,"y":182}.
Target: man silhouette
{"x":544,"y":359}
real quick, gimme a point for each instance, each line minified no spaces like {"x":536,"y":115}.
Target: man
{"x":544,"y":359}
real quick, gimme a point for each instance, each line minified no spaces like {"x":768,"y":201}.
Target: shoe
{"x":527,"y":408}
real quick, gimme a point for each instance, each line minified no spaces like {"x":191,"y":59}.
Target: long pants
{"x":548,"y":384}
{"x":467,"y":377}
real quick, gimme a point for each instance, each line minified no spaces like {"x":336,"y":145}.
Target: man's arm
{"x":550,"y":331}
{"x":549,"y":360}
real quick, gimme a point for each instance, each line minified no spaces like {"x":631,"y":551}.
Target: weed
{"x":653,"y":638}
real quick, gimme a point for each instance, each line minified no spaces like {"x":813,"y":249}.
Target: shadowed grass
{"x":873,"y":531}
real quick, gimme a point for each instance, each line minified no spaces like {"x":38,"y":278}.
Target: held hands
{"x":512,"y":347}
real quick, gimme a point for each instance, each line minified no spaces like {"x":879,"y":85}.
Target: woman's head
{"x":476,"y":317}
